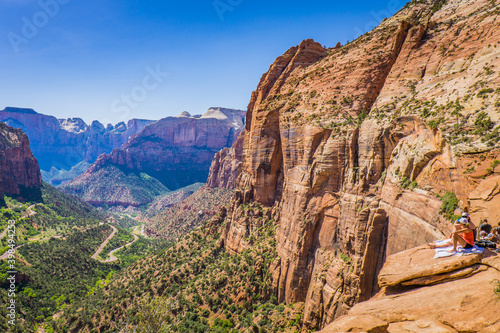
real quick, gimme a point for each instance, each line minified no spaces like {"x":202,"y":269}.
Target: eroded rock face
{"x":19,"y":173}
{"x":63,"y":143}
{"x":353,"y":145}
{"x":226,"y":165}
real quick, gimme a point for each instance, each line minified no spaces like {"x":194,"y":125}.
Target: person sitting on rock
{"x":471,"y":224}
{"x":493,"y":236}
{"x":461,"y":235}
{"x":485,"y":226}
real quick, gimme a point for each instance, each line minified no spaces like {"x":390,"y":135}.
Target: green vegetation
{"x":179,"y":219}
{"x":438,"y":5}
{"x":362,"y":117}
{"x":492,"y":167}
{"x":60,"y":272}
{"x":123,"y":221}
{"x":121,"y":238}
{"x":104,"y":185}
{"x":142,"y":248}
{"x":496,"y":287}
{"x":203,"y":287}
{"x":57,"y":236}
{"x":406,"y":183}
{"x":155,"y":316}
{"x":55,"y":214}
{"x":483,"y":123}
{"x":450,"y":204}
{"x":345,"y":258}
{"x":470,"y":170}
{"x":492,"y":137}
{"x":434,"y":123}
{"x":483,"y":93}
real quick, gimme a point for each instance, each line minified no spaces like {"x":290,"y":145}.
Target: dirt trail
{"x":111,"y":253}
{"x":94,"y":256}
{"x":5,"y":256}
{"x":30,"y":213}
{"x":2,"y":235}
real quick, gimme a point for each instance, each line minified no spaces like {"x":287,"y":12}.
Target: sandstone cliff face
{"x":353,"y":145}
{"x":19,"y":173}
{"x":172,"y":153}
{"x":226,"y":165}
{"x":63,"y":143}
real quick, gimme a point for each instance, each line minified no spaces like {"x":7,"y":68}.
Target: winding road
{"x":30,"y":213}
{"x":94,"y":256}
{"x":5,"y":256}
{"x":111,"y":254}
{"x":2,"y":235}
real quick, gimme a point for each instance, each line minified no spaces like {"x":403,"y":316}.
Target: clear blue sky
{"x":93,"y":59}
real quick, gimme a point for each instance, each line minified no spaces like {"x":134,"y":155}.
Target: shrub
{"x":362,"y":117}
{"x":450,"y":203}
{"x":405,"y":182}
{"x":345,"y":258}
{"x":496,"y":287}
{"x":483,"y":123}
{"x":483,"y":93}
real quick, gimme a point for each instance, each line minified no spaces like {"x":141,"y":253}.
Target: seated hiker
{"x":485,"y":226}
{"x":493,"y":235}
{"x":471,"y":224}
{"x":461,"y":235}
{"x":482,"y":235}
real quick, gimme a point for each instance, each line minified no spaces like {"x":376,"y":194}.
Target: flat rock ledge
{"x":420,"y":294}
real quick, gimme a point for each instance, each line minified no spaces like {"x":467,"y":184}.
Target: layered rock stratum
{"x":226,"y":166}
{"x":170,"y":154}
{"x":61,"y":144}
{"x":353,"y":146}
{"x":19,"y":173}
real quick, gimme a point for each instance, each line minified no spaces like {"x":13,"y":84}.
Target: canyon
{"x":172,"y":153}
{"x":346,"y":163}
{"x":63,"y":144}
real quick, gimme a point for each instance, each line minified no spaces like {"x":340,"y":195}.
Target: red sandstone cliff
{"x":226,"y":166}
{"x":352,"y":145}
{"x":19,"y":173}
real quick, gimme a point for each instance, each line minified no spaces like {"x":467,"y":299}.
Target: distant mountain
{"x":172,"y":153}
{"x":61,"y":144}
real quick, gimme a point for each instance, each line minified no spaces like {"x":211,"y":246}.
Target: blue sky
{"x":115,"y":60}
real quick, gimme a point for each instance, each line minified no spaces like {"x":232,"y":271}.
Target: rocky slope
{"x":19,"y":173}
{"x":60,"y":144}
{"x":169,"y":199}
{"x":181,"y":217}
{"x":173,"y":152}
{"x":351,"y":147}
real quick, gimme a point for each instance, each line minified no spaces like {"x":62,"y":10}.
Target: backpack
{"x":485,"y":243}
